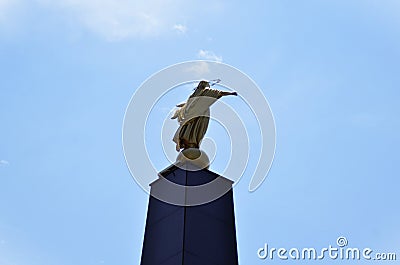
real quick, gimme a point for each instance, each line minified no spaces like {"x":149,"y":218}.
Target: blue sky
{"x":329,"y":70}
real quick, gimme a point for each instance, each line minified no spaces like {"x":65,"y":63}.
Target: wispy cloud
{"x":180,"y":28}
{"x":122,"y":19}
{"x":114,"y":20}
{"x":209,"y":55}
{"x":4,"y":163}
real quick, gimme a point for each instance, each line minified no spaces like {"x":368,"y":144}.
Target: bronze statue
{"x":194,"y":115}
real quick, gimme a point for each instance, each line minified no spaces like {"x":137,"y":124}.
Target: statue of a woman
{"x":194,"y":115}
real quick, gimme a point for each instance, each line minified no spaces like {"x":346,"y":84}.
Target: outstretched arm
{"x":226,"y":93}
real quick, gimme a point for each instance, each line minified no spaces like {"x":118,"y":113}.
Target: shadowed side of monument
{"x":190,"y":235}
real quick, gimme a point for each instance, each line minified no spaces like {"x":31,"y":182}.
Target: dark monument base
{"x":190,"y":235}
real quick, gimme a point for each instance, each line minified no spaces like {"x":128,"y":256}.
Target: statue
{"x":194,"y":115}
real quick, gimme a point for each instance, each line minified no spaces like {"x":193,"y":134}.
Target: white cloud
{"x":209,"y":55}
{"x":121,"y":19}
{"x":180,"y":28}
{"x":4,"y":162}
{"x":112,"y":20}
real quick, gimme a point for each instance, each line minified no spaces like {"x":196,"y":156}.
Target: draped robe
{"x":194,"y":116}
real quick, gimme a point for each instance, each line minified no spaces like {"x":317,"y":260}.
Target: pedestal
{"x":190,"y":235}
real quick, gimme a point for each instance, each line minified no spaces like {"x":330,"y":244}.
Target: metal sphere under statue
{"x":193,"y":159}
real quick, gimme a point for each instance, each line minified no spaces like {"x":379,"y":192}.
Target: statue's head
{"x":203,"y":84}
